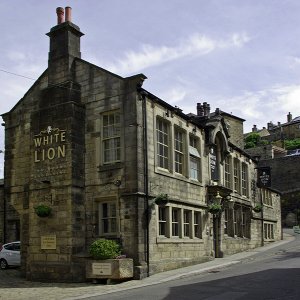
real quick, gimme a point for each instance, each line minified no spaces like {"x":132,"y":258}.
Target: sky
{"x":242,"y":56}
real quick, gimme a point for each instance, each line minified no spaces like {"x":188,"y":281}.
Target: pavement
{"x":13,"y":286}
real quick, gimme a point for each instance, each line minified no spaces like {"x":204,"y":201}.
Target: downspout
{"x":146,"y":175}
{"x":262,"y":217}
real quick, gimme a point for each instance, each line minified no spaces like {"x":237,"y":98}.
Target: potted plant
{"x":214,"y":208}
{"x":257,"y":208}
{"x":43,"y":210}
{"x":104,"y":249}
{"x":107,"y":261}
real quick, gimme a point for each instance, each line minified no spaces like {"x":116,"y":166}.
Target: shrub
{"x":104,"y":249}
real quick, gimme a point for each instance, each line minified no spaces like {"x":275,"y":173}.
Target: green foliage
{"x":257,"y":208}
{"x":104,"y":249}
{"x":214,"y":208}
{"x":252,"y":140}
{"x":292,"y":144}
{"x":249,"y":145}
{"x":43,"y":210}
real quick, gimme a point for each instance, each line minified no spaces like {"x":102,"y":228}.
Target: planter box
{"x":109,"y":268}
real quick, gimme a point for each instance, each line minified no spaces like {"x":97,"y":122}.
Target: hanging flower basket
{"x":257,"y":208}
{"x":161,"y":199}
{"x":214,"y":208}
{"x":43,"y":210}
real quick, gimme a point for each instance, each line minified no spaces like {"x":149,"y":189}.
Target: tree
{"x":292,"y":144}
{"x":252,"y":140}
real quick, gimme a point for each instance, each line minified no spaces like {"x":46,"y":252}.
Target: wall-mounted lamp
{"x":117,"y":182}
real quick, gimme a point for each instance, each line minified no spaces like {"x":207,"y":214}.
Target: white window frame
{"x":175,"y":221}
{"x":194,"y":159}
{"x":179,"y":223}
{"x":227,"y":171}
{"x":110,"y":218}
{"x":179,"y":149}
{"x":162,"y":143}
{"x":236,"y":175}
{"x":244,"y":179}
{"x":269,"y":231}
{"x":111,"y":137}
{"x":197,"y":224}
{"x":163,"y":221}
{"x":187,"y":216}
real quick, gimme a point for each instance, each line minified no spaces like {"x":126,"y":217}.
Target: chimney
{"x":254,"y":128}
{"x":200,"y":111}
{"x":60,"y":15}
{"x":206,"y":109}
{"x":289,"y":117}
{"x":270,"y":125}
{"x":64,"y":46}
{"x":278,"y":123}
{"x":68,"y":10}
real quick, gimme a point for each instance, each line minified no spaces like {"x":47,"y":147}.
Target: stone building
{"x":2,"y":214}
{"x":277,"y":133}
{"x":114,"y":161}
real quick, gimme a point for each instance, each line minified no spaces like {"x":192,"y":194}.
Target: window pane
{"x":162,"y":144}
{"x":111,"y":137}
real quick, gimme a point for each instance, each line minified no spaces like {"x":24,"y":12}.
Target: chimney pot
{"x":199,"y":110}
{"x":60,"y":15}
{"x":289,"y":117}
{"x":254,"y":129}
{"x":68,"y":10}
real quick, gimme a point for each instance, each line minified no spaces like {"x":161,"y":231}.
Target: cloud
{"x":16,"y":56}
{"x":194,"y":45}
{"x":173,"y":95}
{"x":261,"y":107}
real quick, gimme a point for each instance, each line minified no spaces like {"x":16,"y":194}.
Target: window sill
{"x":110,"y":166}
{"x":177,"y":176}
{"x":166,"y":240}
{"x":228,"y":237}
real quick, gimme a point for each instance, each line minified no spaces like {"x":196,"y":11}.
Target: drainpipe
{"x":146,"y":174}
{"x":262,"y":217}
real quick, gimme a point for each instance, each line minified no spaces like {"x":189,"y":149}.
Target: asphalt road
{"x":273,"y":274}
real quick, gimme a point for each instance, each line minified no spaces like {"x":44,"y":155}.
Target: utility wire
{"x":17,"y":74}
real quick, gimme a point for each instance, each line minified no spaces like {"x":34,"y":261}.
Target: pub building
{"x":103,"y":153}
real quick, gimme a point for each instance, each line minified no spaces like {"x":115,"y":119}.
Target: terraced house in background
{"x":114,"y":161}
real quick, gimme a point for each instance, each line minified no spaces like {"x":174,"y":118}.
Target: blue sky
{"x":242,"y":56}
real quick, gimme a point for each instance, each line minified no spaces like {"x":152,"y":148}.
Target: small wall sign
{"x":48,"y":242}
{"x":101,"y":268}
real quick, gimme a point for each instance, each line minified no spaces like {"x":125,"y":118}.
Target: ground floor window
{"x":107,"y":218}
{"x":269,"y":231}
{"x":175,"y":222}
{"x":162,"y":221}
{"x":237,"y":221}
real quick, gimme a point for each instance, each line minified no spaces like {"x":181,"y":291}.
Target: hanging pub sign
{"x":213,"y":164}
{"x":264,"y":177}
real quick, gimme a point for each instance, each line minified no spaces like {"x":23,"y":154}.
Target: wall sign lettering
{"x":49,"y":144}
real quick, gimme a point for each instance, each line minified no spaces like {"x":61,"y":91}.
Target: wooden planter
{"x":109,"y":268}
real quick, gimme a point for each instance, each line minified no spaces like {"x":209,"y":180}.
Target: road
{"x":273,"y":274}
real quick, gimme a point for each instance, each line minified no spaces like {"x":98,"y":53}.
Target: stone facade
{"x":266,"y":152}
{"x":101,"y":152}
{"x":2,"y":214}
